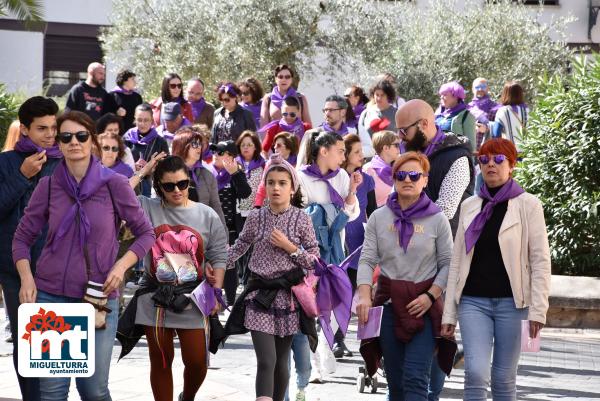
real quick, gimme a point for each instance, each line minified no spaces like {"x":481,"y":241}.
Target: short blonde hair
{"x":411,"y":156}
{"x":383,"y":138}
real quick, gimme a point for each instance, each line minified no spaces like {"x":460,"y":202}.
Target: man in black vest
{"x":451,"y":177}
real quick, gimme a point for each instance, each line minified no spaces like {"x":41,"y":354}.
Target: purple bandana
{"x":198,"y":107}
{"x":26,"y":145}
{"x":435,"y":142}
{"x":133,"y":136}
{"x":313,"y":170}
{"x":277,"y":98}
{"x":118,"y":89}
{"x":446,"y":113}
{"x":508,"y":191}
{"x":421,"y":208}
{"x":229,"y":89}
{"x":342,"y":131}
{"x":251,"y":165}
{"x":383,"y":170}
{"x":95,"y":177}
{"x":122,"y":168}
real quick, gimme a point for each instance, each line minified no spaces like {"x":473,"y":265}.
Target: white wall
{"x":21,"y":61}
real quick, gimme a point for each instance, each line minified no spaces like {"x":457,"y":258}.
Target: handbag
{"x":306,"y":294}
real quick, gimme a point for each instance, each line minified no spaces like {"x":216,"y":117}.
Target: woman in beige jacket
{"x":499,"y":275}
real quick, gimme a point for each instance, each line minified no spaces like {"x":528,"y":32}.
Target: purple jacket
{"x":63,"y":271}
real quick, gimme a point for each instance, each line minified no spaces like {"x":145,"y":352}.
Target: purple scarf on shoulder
{"x":222,"y":176}
{"x":96,"y":177}
{"x":133,"y":136}
{"x":252,"y":165}
{"x":435,"y":142}
{"x":313,"y":170}
{"x":342,"y":131}
{"x":383,"y":170}
{"x":118,"y":89}
{"x":254,"y":109}
{"x":358,"y":109}
{"x":421,"y":208}
{"x":122,"y":168}
{"x":26,"y":145}
{"x":277,"y":98}
{"x":508,"y":191}
{"x":198,"y":107}
{"x":444,"y":112}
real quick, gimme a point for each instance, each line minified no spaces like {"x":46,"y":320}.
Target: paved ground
{"x":567,"y":368}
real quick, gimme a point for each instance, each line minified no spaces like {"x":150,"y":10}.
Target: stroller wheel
{"x":374,"y":384}
{"x":360,"y":383}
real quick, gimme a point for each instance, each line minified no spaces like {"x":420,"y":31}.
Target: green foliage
{"x":8,"y":112}
{"x":562,"y":165}
{"x":28,"y":10}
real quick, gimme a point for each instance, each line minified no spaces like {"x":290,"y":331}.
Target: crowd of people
{"x":418,"y":205}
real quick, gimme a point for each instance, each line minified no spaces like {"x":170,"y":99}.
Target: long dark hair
{"x":169,"y":164}
{"x":297,"y":197}
{"x":164,"y":90}
{"x":318,"y":140}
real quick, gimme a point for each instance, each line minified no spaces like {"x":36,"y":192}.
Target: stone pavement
{"x":567,"y":368}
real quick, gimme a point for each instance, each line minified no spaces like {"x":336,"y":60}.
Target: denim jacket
{"x":328,"y":236}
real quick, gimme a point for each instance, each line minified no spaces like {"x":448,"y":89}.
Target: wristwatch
{"x":295,"y":254}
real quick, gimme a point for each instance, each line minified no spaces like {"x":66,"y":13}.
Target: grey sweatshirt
{"x":429,"y":250}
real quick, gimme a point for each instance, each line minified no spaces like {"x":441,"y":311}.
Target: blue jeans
{"x":407,"y":365}
{"x":301,"y":351}
{"x":436,"y":380}
{"x":93,"y":388}
{"x":30,"y":386}
{"x":490,"y":325}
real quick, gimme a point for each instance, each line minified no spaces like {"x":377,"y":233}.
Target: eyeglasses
{"x":66,"y":137}
{"x":196,"y":145}
{"x":325,"y":111}
{"x":107,"y":148}
{"x":225,"y":100}
{"x":403,"y":131}
{"x":481,"y":87}
{"x":413,"y":175}
{"x":245,"y":93}
{"x":170,"y":186}
{"x":396,"y":144}
{"x":284,"y":77}
{"x":246,"y":145}
{"x":485,"y":159}
{"x":175,"y":86}
{"x":292,"y":114}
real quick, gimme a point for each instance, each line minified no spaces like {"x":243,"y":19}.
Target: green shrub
{"x":8,"y":112}
{"x":562,"y":165}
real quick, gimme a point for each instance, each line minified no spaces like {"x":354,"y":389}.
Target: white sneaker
{"x":300,"y":396}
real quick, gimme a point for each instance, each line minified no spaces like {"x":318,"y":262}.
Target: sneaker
{"x":300,"y":395}
{"x":316,"y":378}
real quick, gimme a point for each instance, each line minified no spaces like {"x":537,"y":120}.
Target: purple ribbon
{"x":423,"y":207}
{"x":342,"y":131}
{"x":435,"y":142}
{"x":314,"y":171}
{"x":198,"y":107}
{"x":252,"y":165}
{"x":26,"y":145}
{"x":444,"y":112}
{"x":383,"y":170}
{"x":133,"y":136}
{"x":229,"y":89}
{"x":508,"y":191}
{"x":95,"y":177}
{"x":277,"y":98}
{"x":334,"y":293}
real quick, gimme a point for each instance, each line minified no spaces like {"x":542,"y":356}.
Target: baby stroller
{"x":363,"y":379}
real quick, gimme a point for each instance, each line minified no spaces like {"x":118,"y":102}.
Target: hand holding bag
{"x":306,"y":294}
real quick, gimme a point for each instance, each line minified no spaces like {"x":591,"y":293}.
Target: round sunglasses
{"x":292,"y":114}
{"x":170,"y":186}
{"x":414,"y":176}
{"x":107,"y":148}
{"x":66,"y":137}
{"x":485,"y":159}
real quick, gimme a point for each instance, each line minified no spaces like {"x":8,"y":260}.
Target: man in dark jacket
{"x":36,"y":155}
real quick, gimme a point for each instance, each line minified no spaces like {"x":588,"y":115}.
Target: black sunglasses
{"x":65,"y":137}
{"x":170,"y":186}
{"x":292,"y":114}
{"x":173,"y":86}
{"x":413,"y":175}
{"x":107,"y":148}
{"x":485,"y":159}
{"x":196,"y":145}
{"x":402,"y":131}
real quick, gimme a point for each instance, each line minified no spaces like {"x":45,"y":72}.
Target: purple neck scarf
{"x":118,"y":89}
{"x":222,"y":176}
{"x":342,"y":131}
{"x":198,"y":107}
{"x":485,"y":103}
{"x":296,"y":128}
{"x":421,"y":208}
{"x":95,"y":178}
{"x":383,"y":170}
{"x":444,"y":112}
{"x":133,"y":136}
{"x":435,"y":142}
{"x":26,"y":145}
{"x":508,"y":191}
{"x":277,"y":98}
{"x":313,"y":170}
{"x":293,"y":159}
{"x":254,"y":109}
{"x":196,"y":165}
{"x":121,"y":168}
{"x":252,"y":165}
{"x":358,"y":109}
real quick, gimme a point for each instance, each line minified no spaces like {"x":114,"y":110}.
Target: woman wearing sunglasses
{"x":112,"y":150}
{"x":189,"y":236}
{"x":251,"y":94}
{"x":284,"y":88}
{"x":171,"y":90}
{"x":411,"y":241}
{"x":499,"y":275}
{"x":189,"y":145}
{"x":231,"y":119}
{"x":79,"y":204}
{"x":290,"y":122}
